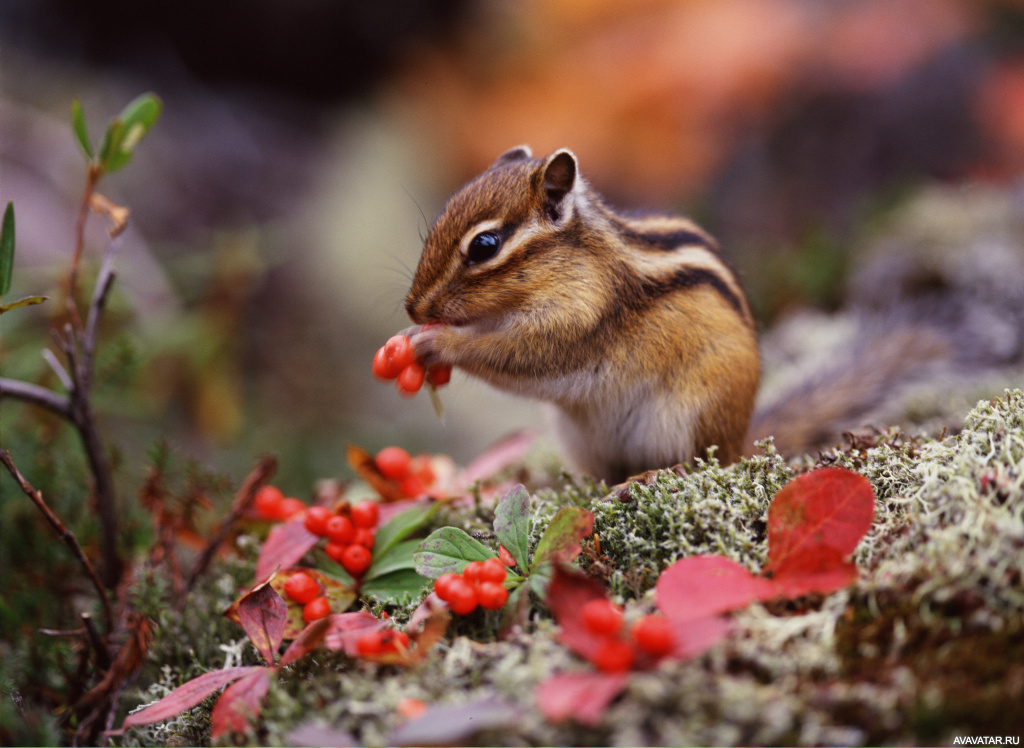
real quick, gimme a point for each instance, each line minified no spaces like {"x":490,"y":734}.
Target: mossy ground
{"x":927,"y":645}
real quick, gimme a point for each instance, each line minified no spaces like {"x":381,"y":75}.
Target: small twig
{"x":58,"y":369}
{"x":244,"y":497}
{"x":66,"y":535}
{"x":33,"y":393}
{"x":96,"y":642}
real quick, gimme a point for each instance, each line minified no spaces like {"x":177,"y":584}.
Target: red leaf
{"x":240,"y":703}
{"x":346,"y":628}
{"x":310,"y":638}
{"x":583,"y":695}
{"x":823,"y":514}
{"x":286,"y":544}
{"x":263,"y":614}
{"x":508,"y":451}
{"x":187,"y":695}
{"x":702,"y":586}
{"x":824,"y":571}
{"x":568,"y":592}
{"x":697,"y":635}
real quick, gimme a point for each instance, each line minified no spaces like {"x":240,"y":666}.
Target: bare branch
{"x":244,"y":498}
{"x":33,"y":393}
{"x":66,"y":535}
{"x":58,"y":369}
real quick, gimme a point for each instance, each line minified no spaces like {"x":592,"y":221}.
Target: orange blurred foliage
{"x":652,"y":95}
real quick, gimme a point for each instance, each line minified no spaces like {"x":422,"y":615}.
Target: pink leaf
{"x":703,"y":586}
{"x":286,"y":544}
{"x":697,"y":635}
{"x":187,"y":695}
{"x":826,"y":511}
{"x":582,"y":695}
{"x":346,"y":628}
{"x":263,"y":614}
{"x":497,"y":457}
{"x":240,"y":703}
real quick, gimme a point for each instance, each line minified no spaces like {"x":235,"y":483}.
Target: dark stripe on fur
{"x":665,"y":241}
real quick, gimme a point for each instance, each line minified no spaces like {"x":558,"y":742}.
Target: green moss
{"x":925,"y":646}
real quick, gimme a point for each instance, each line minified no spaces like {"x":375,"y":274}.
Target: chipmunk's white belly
{"x":619,"y":439}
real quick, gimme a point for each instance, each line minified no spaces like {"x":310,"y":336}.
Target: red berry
{"x":399,"y":350}
{"x":315,"y":609}
{"x":493,"y":571}
{"x":411,"y":487}
{"x":411,"y":378}
{"x":364,"y":537}
{"x":506,"y":557}
{"x":461,"y":597}
{"x":395,"y":640}
{"x":443,"y":584}
{"x":614,"y":656}
{"x":301,"y":587}
{"x":601,"y":617}
{"x":472,"y":570}
{"x":316,"y":520}
{"x":290,"y":507}
{"x":654,"y":635}
{"x":356,"y":559}
{"x":340,"y":529}
{"x":393,"y":462}
{"x":268,"y":502}
{"x":335,"y":551}
{"x":384,"y":367}
{"x":371,"y":643}
{"x":423,"y":470}
{"x":365,"y":514}
{"x":491,"y":595}
{"x":439,"y":375}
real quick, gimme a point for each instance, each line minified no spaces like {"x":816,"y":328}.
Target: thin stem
{"x":244,"y":498}
{"x":33,"y":393}
{"x":64,"y":533}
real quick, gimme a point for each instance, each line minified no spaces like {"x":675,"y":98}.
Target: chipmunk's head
{"x":498,"y":241}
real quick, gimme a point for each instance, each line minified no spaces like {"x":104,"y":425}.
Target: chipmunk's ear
{"x":560,"y":172}
{"x":519,"y":153}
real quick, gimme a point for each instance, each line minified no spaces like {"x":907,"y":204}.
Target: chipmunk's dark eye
{"x":483,"y":247}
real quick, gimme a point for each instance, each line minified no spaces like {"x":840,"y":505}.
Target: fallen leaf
{"x":563,"y":535}
{"x":823,"y":512}
{"x":240,"y":703}
{"x":188,"y":695}
{"x":698,"y":587}
{"x":456,"y":724}
{"x":263,"y":614}
{"x":568,"y":592}
{"x":583,"y":695}
{"x":285,"y":546}
{"x":345,"y":629}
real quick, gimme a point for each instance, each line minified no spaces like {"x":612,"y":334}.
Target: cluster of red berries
{"x":271,"y":504}
{"x":414,"y":475}
{"x":350,"y":533}
{"x":480,"y":583}
{"x":652,"y":634}
{"x":396,"y":360}
{"x":306,"y":591}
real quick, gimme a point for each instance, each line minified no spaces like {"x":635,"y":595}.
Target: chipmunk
{"x":634,"y":330}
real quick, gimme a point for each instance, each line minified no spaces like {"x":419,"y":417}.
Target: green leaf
{"x":561,"y":538}
{"x":401,"y":526}
{"x":448,"y":549}
{"x":398,"y":557}
{"x":7,"y":249}
{"x":394,"y":586}
{"x":512,"y":524}
{"x":541,"y":578}
{"x":27,"y":301}
{"x":78,"y":123}
{"x":127,"y":129}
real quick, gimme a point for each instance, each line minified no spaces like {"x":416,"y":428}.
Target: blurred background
{"x":305,"y":147}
